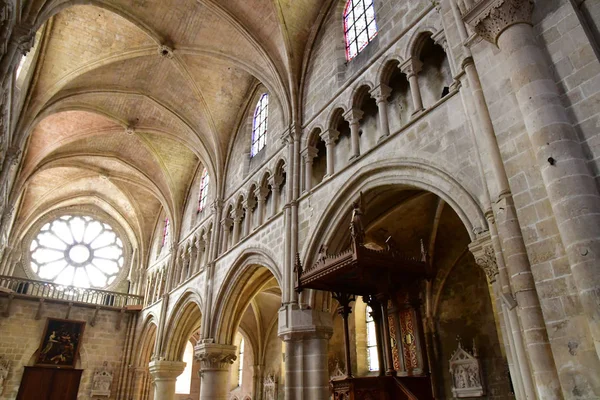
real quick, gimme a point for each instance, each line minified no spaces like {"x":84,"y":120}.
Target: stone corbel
{"x":24,"y":38}
{"x":489,"y":18}
{"x":485,"y":256}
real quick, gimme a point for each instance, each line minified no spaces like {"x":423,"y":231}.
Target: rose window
{"x":78,"y":251}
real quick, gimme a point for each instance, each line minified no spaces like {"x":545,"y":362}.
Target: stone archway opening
{"x":249,"y":334}
{"x":455,"y":302}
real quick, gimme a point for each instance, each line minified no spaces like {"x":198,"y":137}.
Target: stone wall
{"x":21,"y":334}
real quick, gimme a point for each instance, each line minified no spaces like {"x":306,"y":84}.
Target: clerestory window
{"x":372,"y":358}
{"x":77,"y":251}
{"x":203,"y":196}
{"x":259,"y":125}
{"x":360,"y":27}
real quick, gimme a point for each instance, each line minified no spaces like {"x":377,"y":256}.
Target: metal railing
{"x":48,"y":290}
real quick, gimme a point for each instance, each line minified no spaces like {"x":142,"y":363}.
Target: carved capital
{"x":249,"y":203}
{"x":411,"y":67}
{"x":227,"y":223}
{"x":275,"y":181}
{"x":485,"y":256}
{"x":166,"y":370}
{"x":237,"y":214}
{"x":261,"y":193}
{"x":309,"y":154}
{"x":489,"y":18}
{"x":353,"y":115}
{"x":330,"y":136}
{"x":381,"y":93}
{"x":214,"y":356}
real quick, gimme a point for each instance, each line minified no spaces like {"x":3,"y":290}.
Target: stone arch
{"x":412,"y":173}
{"x":334,"y":115}
{"x":147,"y":341}
{"x":184,"y":319}
{"x":360,"y":92}
{"x":256,"y":266}
{"x":417,"y":40}
{"x":388,"y":66}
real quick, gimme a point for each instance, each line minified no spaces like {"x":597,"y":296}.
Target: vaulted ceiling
{"x":130,"y":97}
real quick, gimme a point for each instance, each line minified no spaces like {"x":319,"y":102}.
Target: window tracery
{"x":259,"y":125}
{"x":360,"y":27}
{"x":77,"y":251}
{"x":203,"y":196}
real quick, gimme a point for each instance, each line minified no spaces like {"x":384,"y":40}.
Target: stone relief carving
{"x":4,"y":369}
{"x":465,"y":370}
{"x":337,"y":373}
{"x":270,"y":387}
{"x":102,"y":381}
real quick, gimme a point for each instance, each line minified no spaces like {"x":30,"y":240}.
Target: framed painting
{"x":60,"y":343}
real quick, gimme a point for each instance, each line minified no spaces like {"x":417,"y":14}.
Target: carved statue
{"x":4,"y":368}
{"x":270,"y":387}
{"x":466,"y":373}
{"x":102,"y":381}
{"x":357,"y":229}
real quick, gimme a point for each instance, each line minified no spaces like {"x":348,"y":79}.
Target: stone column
{"x":330,"y":136}
{"x":483,"y":251}
{"x":237,"y":219}
{"x":215,"y":362}
{"x":411,"y":68}
{"x":306,"y":335}
{"x":275,"y":182}
{"x":201,"y":258}
{"x":380,"y":94}
{"x":225,"y":225}
{"x":309,"y":155}
{"x":248,"y":205}
{"x":164,"y":374}
{"x":571,"y":188}
{"x":353,"y":116}
{"x":261,"y":194}
{"x":193,"y":255}
{"x":184,"y":265}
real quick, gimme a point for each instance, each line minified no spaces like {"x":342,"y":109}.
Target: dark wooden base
{"x":47,"y":383}
{"x":382,"y":388}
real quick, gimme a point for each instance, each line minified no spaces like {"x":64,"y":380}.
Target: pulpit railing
{"x":48,"y":290}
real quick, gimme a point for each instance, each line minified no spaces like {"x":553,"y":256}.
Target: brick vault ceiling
{"x":110,"y":117}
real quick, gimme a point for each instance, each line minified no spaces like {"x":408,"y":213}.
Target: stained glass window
{"x":203,"y":197}
{"x":372,"y":358}
{"x":77,"y":251}
{"x":360,"y":27}
{"x":241,"y":366}
{"x":259,"y":125}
